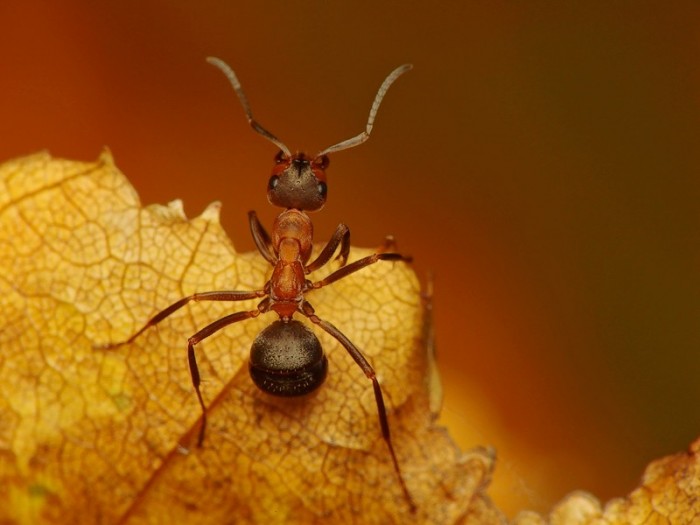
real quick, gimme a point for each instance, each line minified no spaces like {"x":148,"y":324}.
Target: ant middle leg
{"x":307,"y":310}
{"x":192,"y":360}
{"x":358,"y":265}
{"x":221,"y":295}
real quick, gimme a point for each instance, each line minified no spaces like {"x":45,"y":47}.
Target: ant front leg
{"x":340,"y":236}
{"x":362,"y":362}
{"x":194,"y":369}
{"x":262,"y":239}
{"x":222,"y":295}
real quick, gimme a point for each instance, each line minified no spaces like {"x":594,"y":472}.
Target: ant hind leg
{"x":307,"y":310}
{"x":220,"y":295}
{"x":192,"y":360}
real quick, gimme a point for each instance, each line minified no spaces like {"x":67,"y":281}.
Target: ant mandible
{"x":286,"y":358}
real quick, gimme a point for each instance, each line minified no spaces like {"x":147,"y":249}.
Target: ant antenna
{"x":224,"y":67}
{"x":359,"y":139}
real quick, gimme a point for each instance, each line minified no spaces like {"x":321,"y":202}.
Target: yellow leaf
{"x":669,"y":494}
{"x":89,"y":435}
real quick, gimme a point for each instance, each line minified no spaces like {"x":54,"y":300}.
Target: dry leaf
{"x":669,"y":494}
{"x":89,"y":435}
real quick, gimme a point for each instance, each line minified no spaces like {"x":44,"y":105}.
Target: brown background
{"x":541,"y":159}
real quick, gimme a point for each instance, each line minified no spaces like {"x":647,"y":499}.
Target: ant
{"x":286,"y":358}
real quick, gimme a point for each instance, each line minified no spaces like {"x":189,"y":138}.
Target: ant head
{"x":298,"y":181}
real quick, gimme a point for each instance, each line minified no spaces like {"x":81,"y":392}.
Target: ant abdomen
{"x":286,"y":359}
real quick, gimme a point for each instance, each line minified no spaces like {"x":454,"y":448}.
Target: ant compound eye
{"x":322,"y":189}
{"x":273,"y":182}
{"x":280,"y":157}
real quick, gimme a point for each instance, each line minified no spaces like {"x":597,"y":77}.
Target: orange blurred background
{"x":543,"y":160}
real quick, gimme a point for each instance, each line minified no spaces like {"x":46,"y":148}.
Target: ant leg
{"x":358,"y":265}
{"x":261,"y":238}
{"x":340,"y":236}
{"x":362,"y":362}
{"x":194,"y":369}
{"x":222,"y":295}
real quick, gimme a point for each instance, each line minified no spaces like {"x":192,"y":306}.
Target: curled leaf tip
{"x":177,"y":209}
{"x":106,"y":156}
{"x":212,"y":213}
{"x":172,"y":212}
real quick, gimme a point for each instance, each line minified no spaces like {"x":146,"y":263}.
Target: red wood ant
{"x":286,"y":358}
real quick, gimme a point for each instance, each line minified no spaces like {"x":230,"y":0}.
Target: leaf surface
{"x":90,"y":435}
{"x":669,"y":494}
